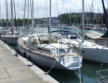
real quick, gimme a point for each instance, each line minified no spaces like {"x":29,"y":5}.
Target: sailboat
{"x":46,"y":51}
{"x":89,"y":50}
{"x":99,"y":38}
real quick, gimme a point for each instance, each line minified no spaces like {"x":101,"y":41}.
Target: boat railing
{"x":75,"y":59}
{"x":102,"y":42}
{"x":70,"y":59}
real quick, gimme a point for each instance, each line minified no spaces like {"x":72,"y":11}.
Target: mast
{"x":14,"y":9}
{"x":24,"y":12}
{"x":28,"y":10}
{"x":0,"y":15}
{"x":12,"y":18}
{"x":7,"y":14}
{"x":49,"y":27}
{"x":32,"y":15}
{"x":83,"y":23}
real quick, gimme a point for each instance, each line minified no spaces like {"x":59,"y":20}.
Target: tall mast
{"x":32,"y":15}
{"x":49,"y":27}
{"x":0,"y":15}
{"x":6,"y":9}
{"x":14,"y":9}
{"x":7,"y":13}
{"x":24,"y":12}
{"x":12,"y":18}
{"x":83,"y":23}
{"x":28,"y":9}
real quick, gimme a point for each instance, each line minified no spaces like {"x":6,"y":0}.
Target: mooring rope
{"x":51,"y":67}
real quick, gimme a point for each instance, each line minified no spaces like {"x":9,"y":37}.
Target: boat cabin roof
{"x":85,"y":44}
{"x":94,"y":34}
{"x":53,"y":46}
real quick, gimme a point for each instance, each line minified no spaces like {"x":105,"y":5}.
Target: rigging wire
{"x":57,"y":9}
{"x":51,"y":67}
{"x":49,"y":28}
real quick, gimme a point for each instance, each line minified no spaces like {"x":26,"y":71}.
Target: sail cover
{"x":94,"y":34}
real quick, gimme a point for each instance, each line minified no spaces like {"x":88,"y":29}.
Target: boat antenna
{"x":49,"y":26}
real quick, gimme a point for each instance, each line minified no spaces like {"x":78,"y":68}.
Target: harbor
{"x":88,"y":72}
{"x":53,"y":41}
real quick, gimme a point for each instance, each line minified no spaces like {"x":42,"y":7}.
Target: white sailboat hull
{"x":40,"y":60}
{"x":90,"y":51}
{"x":95,"y":54}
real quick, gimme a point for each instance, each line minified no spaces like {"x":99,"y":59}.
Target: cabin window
{"x":83,"y":51}
{"x":62,"y":51}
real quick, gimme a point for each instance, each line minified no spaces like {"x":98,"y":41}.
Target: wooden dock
{"x":15,"y":69}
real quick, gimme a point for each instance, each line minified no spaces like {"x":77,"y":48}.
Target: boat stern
{"x":71,"y":62}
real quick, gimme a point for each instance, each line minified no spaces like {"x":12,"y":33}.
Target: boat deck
{"x":22,"y":43}
{"x":13,"y":70}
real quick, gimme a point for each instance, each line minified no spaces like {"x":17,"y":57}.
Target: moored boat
{"x":89,"y":50}
{"x":56,"y":55}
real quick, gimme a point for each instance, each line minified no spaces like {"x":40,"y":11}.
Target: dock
{"x":16,"y":69}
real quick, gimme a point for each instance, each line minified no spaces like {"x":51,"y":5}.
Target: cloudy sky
{"x":58,"y":7}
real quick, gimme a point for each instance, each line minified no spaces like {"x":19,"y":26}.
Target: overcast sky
{"x":58,"y":7}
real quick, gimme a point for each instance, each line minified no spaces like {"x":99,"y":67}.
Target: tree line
{"x":76,"y":18}
{"x":16,"y":22}
{"x":68,"y":18}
